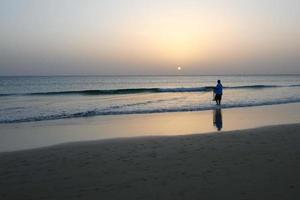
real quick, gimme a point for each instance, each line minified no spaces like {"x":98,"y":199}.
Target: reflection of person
{"x":218,"y":119}
{"x":218,"y":92}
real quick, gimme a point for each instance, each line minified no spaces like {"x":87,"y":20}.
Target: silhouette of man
{"x":217,"y":120}
{"x":218,"y":92}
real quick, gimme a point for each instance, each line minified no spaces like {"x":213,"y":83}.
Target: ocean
{"x":28,"y":99}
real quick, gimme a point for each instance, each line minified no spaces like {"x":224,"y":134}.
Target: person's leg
{"x":217,"y":99}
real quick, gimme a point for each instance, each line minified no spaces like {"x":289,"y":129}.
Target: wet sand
{"x":262,"y":163}
{"x":40,"y":134}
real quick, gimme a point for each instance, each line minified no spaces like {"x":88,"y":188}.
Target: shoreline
{"x":40,"y":134}
{"x":59,"y":120}
{"x":259,"y":163}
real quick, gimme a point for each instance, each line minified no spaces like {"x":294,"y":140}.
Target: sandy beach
{"x":262,"y":163}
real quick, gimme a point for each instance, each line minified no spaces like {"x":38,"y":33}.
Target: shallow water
{"x":18,"y":136}
{"x":25,"y":99}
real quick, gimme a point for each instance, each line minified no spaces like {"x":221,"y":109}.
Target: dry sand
{"x":261,"y":163}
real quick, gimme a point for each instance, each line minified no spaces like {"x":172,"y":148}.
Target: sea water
{"x":27,"y":99}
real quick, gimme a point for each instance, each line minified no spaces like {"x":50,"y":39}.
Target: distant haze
{"x":132,"y":37}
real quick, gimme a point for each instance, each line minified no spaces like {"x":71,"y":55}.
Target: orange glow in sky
{"x":150,"y":37}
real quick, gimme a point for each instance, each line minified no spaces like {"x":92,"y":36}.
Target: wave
{"x":254,"y":86}
{"x":145,"y":90}
{"x":117,"y":91}
{"x":93,"y":113}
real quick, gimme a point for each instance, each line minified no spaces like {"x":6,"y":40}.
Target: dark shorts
{"x":218,"y":97}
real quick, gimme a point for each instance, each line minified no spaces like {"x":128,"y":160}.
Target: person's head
{"x":219,"y":81}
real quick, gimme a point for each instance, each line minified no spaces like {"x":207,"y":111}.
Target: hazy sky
{"x":65,"y":37}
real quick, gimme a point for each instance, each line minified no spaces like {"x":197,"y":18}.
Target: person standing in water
{"x":218,"y":92}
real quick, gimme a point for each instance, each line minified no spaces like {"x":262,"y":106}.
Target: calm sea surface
{"x":25,"y":99}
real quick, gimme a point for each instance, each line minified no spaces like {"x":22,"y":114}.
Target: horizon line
{"x":134,"y":75}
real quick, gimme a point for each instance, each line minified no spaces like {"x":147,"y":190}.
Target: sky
{"x":149,"y":37}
